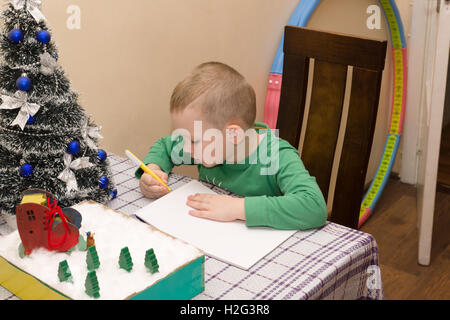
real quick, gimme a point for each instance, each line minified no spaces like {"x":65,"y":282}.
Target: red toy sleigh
{"x":43,"y":224}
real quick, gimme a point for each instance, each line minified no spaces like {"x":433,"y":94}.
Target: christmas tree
{"x":125,"y":261}
{"x":92,"y":260}
{"x":64,"y":273}
{"x":92,"y":288}
{"x":150,"y":261}
{"x":47,"y":140}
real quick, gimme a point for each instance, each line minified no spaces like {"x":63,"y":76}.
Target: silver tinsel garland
{"x":19,"y":101}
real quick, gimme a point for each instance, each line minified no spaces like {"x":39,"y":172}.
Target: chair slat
{"x":322,"y":128}
{"x":357,"y":146}
{"x":292,"y":99}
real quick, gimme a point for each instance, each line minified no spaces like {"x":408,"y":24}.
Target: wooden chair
{"x":332,"y":54}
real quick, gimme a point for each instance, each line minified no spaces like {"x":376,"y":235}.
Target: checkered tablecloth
{"x":333,"y":262}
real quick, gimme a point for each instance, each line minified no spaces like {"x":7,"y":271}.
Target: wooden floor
{"x":394,"y":226}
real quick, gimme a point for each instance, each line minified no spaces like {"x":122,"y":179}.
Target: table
{"x":333,"y":262}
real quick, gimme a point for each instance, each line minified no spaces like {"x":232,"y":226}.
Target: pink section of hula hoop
{"x":272,"y":100}
{"x":393,"y":87}
{"x":404,"y":90}
{"x":364,"y":217}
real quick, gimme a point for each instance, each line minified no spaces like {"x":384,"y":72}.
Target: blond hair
{"x":223,"y":93}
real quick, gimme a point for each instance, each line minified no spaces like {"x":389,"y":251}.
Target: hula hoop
{"x":300,"y":18}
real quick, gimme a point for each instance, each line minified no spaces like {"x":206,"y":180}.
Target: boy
{"x":213,"y":111}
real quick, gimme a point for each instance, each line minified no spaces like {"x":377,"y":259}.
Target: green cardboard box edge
{"x":182,"y":284}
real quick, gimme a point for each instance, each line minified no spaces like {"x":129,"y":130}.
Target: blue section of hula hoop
{"x":399,"y":23}
{"x":300,"y":18}
{"x":387,"y":174}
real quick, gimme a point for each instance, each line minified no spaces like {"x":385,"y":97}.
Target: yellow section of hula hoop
{"x":398,"y":67}
{"x":362,"y":210}
{"x":381,"y":174}
{"x":398,"y":91}
{"x":393,"y":26}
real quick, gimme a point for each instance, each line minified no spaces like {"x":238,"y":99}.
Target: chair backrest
{"x":333,"y":53}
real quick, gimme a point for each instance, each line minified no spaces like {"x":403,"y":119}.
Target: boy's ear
{"x":234,"y":133}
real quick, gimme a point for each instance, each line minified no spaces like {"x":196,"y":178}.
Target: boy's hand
{"x":150,"y":187}
{"x":216,"y":207}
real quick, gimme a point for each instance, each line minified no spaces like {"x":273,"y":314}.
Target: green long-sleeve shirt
{"x":278,"y":190}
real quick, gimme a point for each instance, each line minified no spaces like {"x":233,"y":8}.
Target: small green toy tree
{"x":151,"y":262}
{"x":92,"y":260}
{"x":91,"y":285}
{"x":64,"y":273}
{"x":125,"y":261}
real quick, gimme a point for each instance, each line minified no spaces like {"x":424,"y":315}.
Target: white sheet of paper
{"x":231,"y":242}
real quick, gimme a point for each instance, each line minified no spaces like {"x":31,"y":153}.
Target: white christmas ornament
{"x":67,"y":175}
{"x":89,"y":133}
{"x":19,"y":101}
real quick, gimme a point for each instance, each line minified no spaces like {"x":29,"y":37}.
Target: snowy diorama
{"x":127,"y":260}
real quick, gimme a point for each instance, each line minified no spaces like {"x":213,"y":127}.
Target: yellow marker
{"x":146,"y":169}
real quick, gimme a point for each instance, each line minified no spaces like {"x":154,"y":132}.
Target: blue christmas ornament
{"x":103,"y":182}
{"x":101,"y":155}
{"x":43,"y":36}
{"x":31,"y":119}
{"x":26,"y":170}
{"x":73,"y":148}
{"x":15,"y":35}
{"x":23,"y":83}
{"x":113,"y":193}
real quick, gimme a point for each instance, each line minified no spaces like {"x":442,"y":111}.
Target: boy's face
{"x":202,"y":140}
